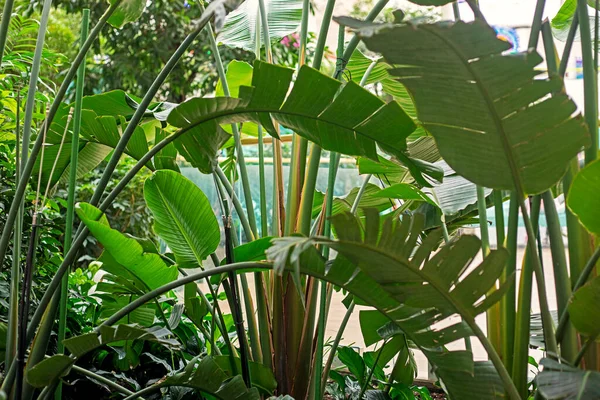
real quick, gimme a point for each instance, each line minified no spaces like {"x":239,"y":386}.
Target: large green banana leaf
{"x":495,"y":121}
{"x":241,"y":25}
{"x":415,"y":288}
{"x":339,"y":117}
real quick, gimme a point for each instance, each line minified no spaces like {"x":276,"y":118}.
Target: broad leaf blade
{"x":583,"y":197}
{"x":492,"y":120}
{"x":184,"y":218}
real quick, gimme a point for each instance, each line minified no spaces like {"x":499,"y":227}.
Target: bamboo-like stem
{"x":236,"y":134}
{"x":568,"y":344}
{"x":24,"y":304}
{"x":589,"y":80}
{"x":4,"y":25}
{"x":536,"y":24}
{"x":70,"y":213}
{"x":483,"y":221}
{"x":351,"y":306}
{"x":315,"y":154}
{"x":582,"y":279}
{"x":27,"y":167}
{"x":509,"y":300}
{"x":299,"y":144}
{"x":235,"y":300}
{"x":11,"y":333}
{"x":564,"y":61}
{"x":522,"y":327}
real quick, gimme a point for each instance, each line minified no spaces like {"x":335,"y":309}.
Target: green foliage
{"x":561,"y":381}
{"x":583,"y":197}
{"x":183,"y":217}
{"x":500,"y":115}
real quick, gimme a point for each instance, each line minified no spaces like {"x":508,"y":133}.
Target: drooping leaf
{"x":370,"y":322}
{"x":207,"y":376}
{"x":564,"y":17}
{"x":261,"y":376}
{"x":584,"y":308}
{"x":583,"y":198}
{"x":492,"y":120}
{"x":241,"y":25}
{"x":127,"y":11}
{"x":127,"y":252}
{"x":347,"y":119}
{"x":183,"y":216}
{"x":200,"y":147}
{"x":344,"y":203}
{"x":563,"y":382}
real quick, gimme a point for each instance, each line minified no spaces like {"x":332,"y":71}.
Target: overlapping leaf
{"x":418,"y":290}
{"x":583,"y":198}
{"x":338,"y":117}
{"x":494,"y":122}
{"x":563,"y":382}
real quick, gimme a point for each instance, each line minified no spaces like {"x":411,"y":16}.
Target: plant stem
{"x":536,"y":24}
{"x":24,"y":304}
{"x":6,"y":15}
{"x":235,"y":300}
{"x":335,"y":345}
{"x":70,"y":213}
{"x":299,"y":144}
{"x":27,"y":167}
{"x":483,"y":221}
{"x":101,"y":379}
{"x":568,"y":345}
{"x":589,"y":81}
{"x":509,"y":300}
{"x":365,"y":385}
{"x":522,"y":327}
{"x":11,"y":334}
{"x":236,"y":135}
{"x":564,"y":61}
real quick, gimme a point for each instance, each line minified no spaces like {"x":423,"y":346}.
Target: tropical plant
{"x":448,"y":122}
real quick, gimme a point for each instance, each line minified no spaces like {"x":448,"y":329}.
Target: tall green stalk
{"x":27,"y":167}
{"x":299,"y":144}
{"x":509,"y":305}
{"x":522,"y":327}
{"x":589,"y":80}
{"x":568,"y":344}
{"x":70,"y":217}
{"x":15,"y":273}
{"x":6,"y":14}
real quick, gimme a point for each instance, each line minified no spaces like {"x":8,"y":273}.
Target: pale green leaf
{"x":583,"y":199}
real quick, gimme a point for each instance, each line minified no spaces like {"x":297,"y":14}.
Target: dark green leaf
{"x":584,"y":308}
{"x":563,"y":382}
{"x":501,"y":130}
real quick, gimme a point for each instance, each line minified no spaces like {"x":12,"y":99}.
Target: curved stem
{"x":335,"y":345}
{"x":564,"y":61}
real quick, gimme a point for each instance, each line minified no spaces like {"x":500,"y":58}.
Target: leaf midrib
{"x":490,"y":105}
